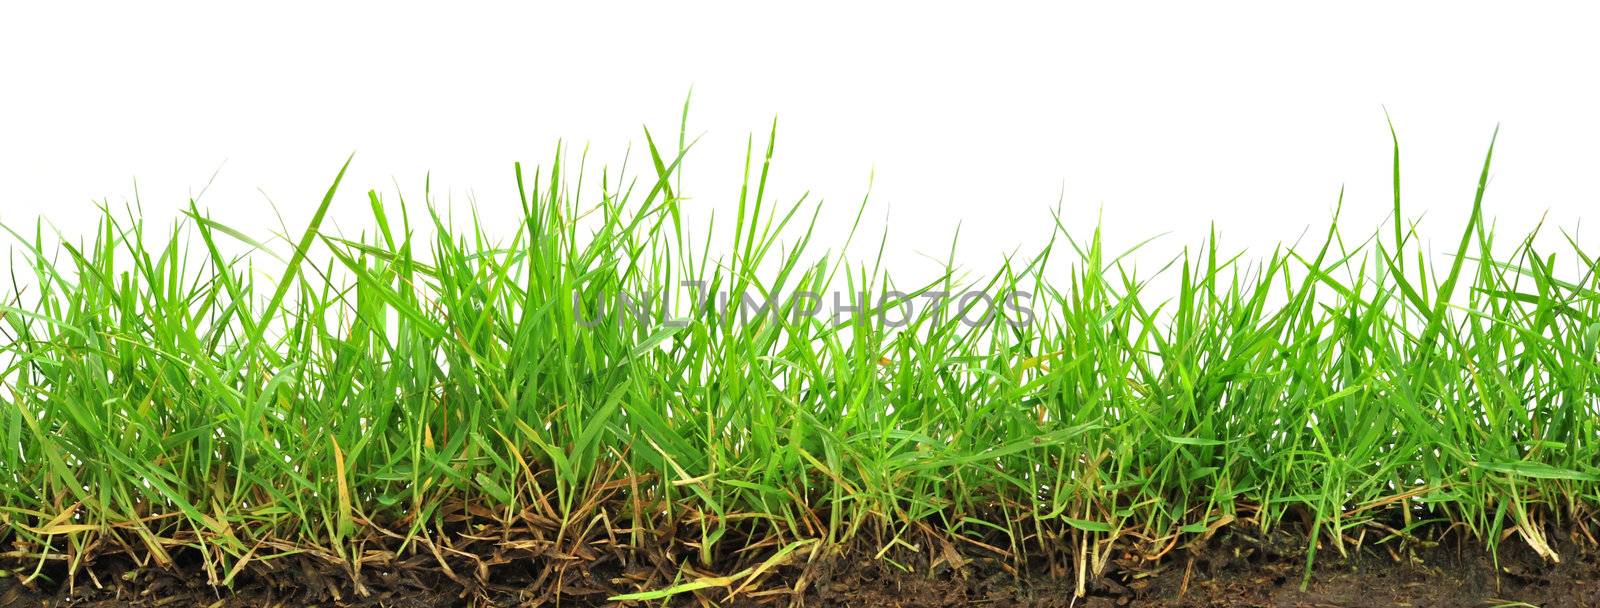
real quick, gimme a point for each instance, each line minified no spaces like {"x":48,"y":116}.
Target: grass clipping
{"x":387,"y":404}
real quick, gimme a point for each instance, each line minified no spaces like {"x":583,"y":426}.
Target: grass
{"x":387,"y":395}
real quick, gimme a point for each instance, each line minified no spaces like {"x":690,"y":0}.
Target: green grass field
{"x":383,"y":396}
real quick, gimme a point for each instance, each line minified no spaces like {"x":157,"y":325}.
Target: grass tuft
{"x":163,"y":396}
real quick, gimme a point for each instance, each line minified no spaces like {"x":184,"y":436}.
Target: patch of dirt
{"x":1232,"y":570}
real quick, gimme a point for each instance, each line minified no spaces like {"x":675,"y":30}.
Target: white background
{"x":1166,"y":117}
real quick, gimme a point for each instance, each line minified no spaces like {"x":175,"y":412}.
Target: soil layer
{"x":1231,"y":570}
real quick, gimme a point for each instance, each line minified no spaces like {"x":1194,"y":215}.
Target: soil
{"x":1229,"y":570}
